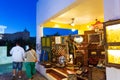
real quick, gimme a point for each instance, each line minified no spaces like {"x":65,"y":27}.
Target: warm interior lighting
{"x":72,"y":23}
{"x":73,"y":30}
{"x":56,"y":26}
{"x":78,"y":39}
{"x":71,"y":58}
{"x":97,"y":25}
{"x":114,"y":56}
{"x":113,"y":33}
{"x":113,"y":27}
{"x":70,"y":72}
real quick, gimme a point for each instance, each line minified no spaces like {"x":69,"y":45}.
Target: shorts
{"x":17,"y":65}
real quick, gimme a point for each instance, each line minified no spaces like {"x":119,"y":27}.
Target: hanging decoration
{"x":97,"y":25}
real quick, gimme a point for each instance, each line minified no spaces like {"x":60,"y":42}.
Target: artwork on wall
{"x":94,"y":38}
{"x":114,"y":56}
{"x":112,"y":42}
{"x":113,"y":31}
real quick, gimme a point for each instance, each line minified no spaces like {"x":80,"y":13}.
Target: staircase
{"x":56,"y":74}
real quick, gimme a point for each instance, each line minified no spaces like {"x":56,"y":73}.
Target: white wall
{"x":3,"y":56}
{"x":111,"y":12}
{"x":48,"y":8}
{"x":112,"y":73}
{"x":111,"y":9}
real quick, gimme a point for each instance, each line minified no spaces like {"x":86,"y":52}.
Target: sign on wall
{"x":58,"y":40}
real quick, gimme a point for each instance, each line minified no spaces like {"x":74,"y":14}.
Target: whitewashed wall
{"x":48,"y":8}
{"x":3,"y":56}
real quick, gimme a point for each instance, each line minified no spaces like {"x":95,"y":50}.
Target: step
{"x":55,"y":75}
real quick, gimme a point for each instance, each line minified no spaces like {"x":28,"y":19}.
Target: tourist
{"x":17,"y":53}
{"x":30,"y":60}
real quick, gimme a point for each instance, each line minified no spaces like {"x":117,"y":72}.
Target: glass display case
{"x":112,"y":42}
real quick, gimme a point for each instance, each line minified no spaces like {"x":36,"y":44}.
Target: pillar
{"x":38,"y":40}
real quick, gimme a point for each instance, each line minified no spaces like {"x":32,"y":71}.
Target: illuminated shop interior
{"x":87,"y":50}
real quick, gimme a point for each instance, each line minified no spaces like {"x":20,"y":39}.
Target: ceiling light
{"x":56,"y":26}
{"x":72,"y":23}
{"x":73,"y":30}
{"x":98,"y":25}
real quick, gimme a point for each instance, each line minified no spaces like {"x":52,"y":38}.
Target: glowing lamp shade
{"x":71,"y":58}
{"x":73,"y":30}
{"x":78,"y":39}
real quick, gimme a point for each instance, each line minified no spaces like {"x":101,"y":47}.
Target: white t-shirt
{"x":17,"y":53}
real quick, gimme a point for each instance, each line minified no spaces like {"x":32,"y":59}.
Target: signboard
{"x":58,"y":40}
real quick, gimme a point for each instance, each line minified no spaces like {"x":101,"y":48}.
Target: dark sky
{"x":18,"y":15}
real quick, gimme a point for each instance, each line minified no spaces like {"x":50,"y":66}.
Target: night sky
{"x":18,"y":15}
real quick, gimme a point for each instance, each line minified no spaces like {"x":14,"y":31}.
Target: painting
{"x":94,"y":38}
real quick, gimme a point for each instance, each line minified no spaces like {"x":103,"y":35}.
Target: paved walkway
{"x":8,"y":76}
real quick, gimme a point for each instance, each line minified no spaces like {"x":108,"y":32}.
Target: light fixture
{"x":78,"y":39}
{"x":97,"y":25}
{"x":72,"y":30}
{"x":72,"y":23}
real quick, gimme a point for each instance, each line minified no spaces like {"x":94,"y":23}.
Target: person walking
{"x":30,"y":60}
{"x":18,"y":54}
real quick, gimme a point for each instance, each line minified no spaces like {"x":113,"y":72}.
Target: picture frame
{"x":94,"y":38}
{"x":112,"y":43}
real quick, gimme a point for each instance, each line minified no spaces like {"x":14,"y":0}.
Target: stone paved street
{"x":8,"y":76}
{"x":6,"y":73}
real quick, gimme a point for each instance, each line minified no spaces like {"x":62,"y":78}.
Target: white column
{"x":38,"y":40}
{"x":112,"y":12}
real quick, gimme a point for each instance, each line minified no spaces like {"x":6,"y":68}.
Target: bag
{"x":35,"y":58}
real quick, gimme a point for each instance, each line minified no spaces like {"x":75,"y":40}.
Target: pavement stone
{"x":8,"y":76}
